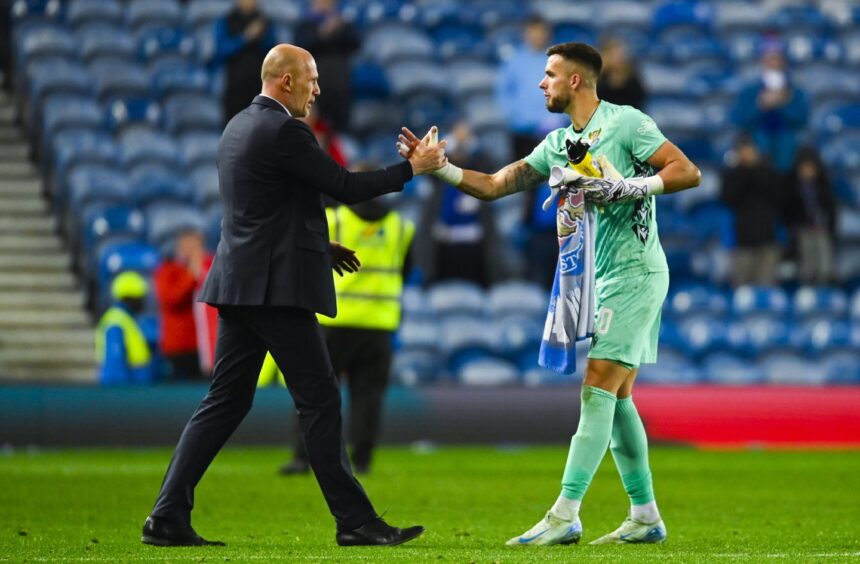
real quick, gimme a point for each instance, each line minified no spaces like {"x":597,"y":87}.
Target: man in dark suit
{"x":272,"y":272}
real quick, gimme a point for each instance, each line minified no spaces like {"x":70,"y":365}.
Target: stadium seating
{"x":120,"y":102}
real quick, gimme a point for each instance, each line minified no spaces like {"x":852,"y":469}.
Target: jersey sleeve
{"x":641,"y":134}
{"x":538,"y":159}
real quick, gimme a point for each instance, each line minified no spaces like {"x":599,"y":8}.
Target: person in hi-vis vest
{"x":368,"y":314}
{"x":122,"y":352}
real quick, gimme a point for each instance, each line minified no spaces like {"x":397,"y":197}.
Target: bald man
{"x":271,"y":274}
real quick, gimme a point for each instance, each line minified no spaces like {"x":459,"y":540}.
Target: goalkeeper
{"x":637,"y":163}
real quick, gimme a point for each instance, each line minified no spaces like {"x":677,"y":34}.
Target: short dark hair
{"x":580,"y":53}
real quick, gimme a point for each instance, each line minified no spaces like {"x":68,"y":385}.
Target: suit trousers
{"x":361,"y":358}
{"x":295,"y":340}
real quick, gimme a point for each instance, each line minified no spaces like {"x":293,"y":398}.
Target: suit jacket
{"x":274,"y":247}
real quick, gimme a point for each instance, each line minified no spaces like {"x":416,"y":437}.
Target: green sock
{"x":629,"y":448}
{"x":588,"y":445}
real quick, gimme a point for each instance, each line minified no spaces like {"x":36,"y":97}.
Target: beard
{"x":557,"y":104}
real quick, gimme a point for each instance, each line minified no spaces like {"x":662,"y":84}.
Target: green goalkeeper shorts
{"x":627,"y":327}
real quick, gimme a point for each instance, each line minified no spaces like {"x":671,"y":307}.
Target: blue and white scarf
{"x":570,"y":317}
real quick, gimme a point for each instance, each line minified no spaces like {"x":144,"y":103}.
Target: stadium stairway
{"x":45,"y":331}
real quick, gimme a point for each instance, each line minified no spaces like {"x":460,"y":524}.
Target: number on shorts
{"x":604,"y":320}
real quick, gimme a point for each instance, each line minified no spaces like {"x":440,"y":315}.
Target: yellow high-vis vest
{"x":137,"y":351}
{"x":370,"y":298}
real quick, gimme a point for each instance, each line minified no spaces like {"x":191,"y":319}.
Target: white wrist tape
{"x":449,"y":174}
{"x":654,"y":185}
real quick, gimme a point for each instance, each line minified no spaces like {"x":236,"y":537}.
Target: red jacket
{"x":176,"y":290}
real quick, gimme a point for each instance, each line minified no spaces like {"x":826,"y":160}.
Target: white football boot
{"x":635,"y":532}
{"x":550,"y":530}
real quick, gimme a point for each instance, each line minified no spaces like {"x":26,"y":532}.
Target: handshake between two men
{"x":610,"y":187}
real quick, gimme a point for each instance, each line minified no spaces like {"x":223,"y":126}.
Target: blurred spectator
{"x":462,"y":234}
{"x":619,"y":81}
{"x":242,"y":39}
{"x":368,"y":313}
{"x":517,"y":92}
{"x":772,"y":109}
{"x":541,"y":237}
{"x":751,"y":189}
{"x":123,"y":355}
{"x":177,"y":281}
{"x":811,"y":217}
{"x":326,"y":136}
{"x":332,"y":41}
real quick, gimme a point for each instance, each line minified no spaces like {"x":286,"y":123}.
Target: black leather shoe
{"x":159,"y":532}
{"x":378,"y":532}
{"x":297,"y":466}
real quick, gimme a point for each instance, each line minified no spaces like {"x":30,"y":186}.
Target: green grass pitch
{"x":89,"y":505}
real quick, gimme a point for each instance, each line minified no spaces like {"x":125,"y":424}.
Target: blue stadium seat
{"x":518,"y":297}
{"x":516,"y":333}
{"x":418,"y":334}
{"x":106,"y":42}
{"x":823,"y":337}
{"x":488,"y":372}
{"x":415,"y":304}
{"x":793,"y":369}
{"x":123,"y":114}
{"x":415,"y":368}
{"x":624,"y":15}
{"x":204,"y":182}
{"x":164,"y":221}
{"x":699,"y":299}
{"x":727,"y":368}
{"x":387,"y":43}
{"x":375,"y":115}
{"x":842,"y":152}
{"x":155,"y":184}
{"x":802,"y":18}
{"x":840,"y":118}
{"x":759,"y":336}
{"x":80,"y":147}
{"x":89,"y":184}
{"x":47,"y":42}
{"x":842,"y":367}
{"x":815,"y":302}
{"x":539,"y":376}
{"x":118,"y":257}
{"x":422,"y":110}
{"x":455,"y":297}
{"x":850,"y":42}
{"x":54,"y":76}
{"x":760,"y":301}
{"x":203,"y":13}
{"x":214,"y":217}
{"x":704,"y":335}
{"x":63,"y":112}
{"x":742,"y":45}
{"x":416,"y":77}
{"x":369,"y":81}
{"x":147,"y":147}
{"x":854,"y":310}
{"x":159,"y":43}
{"x":145,"y":14}
{"x":113,"y":221}
{"x":469,"y":77}
{"x":803,"y":48}
{"x":185,"y":113}
{"x":89,"y":12}
{"x":827,"y":82}
{"x":182,"y":78}
{"x":674,"y":115}
{"x":197,"y":149}
{"x":671,"y":368}
{"x":483,"y":113}
{"x":746,"y":16}
{"x":113,"y":79}
{"x":459,"y":334}
{"x":671,"y":336}
{"x":283,"y":12}
{"x":455,"y":39}
{"x":682,"y":16}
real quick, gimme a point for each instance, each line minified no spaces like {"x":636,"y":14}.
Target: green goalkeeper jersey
{"x":626,"y":241}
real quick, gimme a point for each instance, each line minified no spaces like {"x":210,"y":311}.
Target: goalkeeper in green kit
{"x":636,"y":163}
